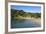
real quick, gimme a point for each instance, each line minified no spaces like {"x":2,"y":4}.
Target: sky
{"x":32,"y":9}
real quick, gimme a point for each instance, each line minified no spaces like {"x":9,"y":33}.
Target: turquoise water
{"x":23,"y":23}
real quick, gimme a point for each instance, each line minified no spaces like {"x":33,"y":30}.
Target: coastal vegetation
{"x":21,"y":14}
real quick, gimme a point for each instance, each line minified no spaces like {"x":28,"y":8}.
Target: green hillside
{"x":17,"y":14}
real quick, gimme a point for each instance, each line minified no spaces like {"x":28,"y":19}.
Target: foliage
{"x":17,"y":13}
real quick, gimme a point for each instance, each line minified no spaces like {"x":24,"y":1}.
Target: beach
{"x":26,"y":22}
{"x":34,"y":20}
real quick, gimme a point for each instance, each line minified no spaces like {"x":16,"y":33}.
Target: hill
{"x":21,"y":13}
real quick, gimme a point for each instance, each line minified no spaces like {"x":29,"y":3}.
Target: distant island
{"x":21,"y":14}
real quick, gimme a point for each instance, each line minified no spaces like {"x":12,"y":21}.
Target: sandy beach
{"x":34,"y":20}
{"x":38,"y":20}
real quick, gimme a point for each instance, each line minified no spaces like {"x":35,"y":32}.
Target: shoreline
{"x":36,"y":20}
